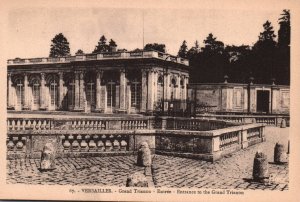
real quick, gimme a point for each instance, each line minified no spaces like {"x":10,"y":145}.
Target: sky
{"x":30,"y":30}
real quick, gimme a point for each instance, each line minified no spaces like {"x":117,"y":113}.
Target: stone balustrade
{"x":19,"y":124}
{"x":100,"y":56}
{"x":209,"y":145}
{"x":266,"y":119}
{"x":195,"y":138}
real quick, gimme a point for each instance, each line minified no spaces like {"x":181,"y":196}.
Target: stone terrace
{"x":233,"y":171}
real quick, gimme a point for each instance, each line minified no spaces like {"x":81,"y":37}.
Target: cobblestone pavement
{"x":233,"y":171}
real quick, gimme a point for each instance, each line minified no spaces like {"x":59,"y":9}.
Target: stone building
{"x":116,"y":82}
{"x":241,"y":98}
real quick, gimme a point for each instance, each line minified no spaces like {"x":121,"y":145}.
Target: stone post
{"x":144,"y":91}
{"x":283,"y":123}
{"x":137,"y":180}
{"x":42,"y":92}
{"x":144,"y":155}
{"x":260,"y":167}
{"x":61,"y":90}
{"x":48,"y":157}
{"x":279,"y":154}
{"x":123,"y":84}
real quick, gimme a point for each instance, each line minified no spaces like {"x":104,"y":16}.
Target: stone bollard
{"x":48,"y":157}
{"x":144,"y":155}
{"x":260,"y":167}
{"x":137,"y":180}
{"x":279,"y":154}
{"x":283,"y":123}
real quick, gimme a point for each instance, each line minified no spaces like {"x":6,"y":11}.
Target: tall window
{"x":54,"y":92}
{"x":20,"y":92}
{"x":36,"y":92}
{"x":181,"y":89}
{"x":111,"y":94}
{"x":71,"y":94}
{"x":90,"y":93}
{"x":135,"y":94}
{"x":160,"y":88}
{"x":173,"y":90}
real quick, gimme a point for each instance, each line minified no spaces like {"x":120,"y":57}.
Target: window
{"x":90,"y":93}
{"x":111,"y":94}
{"x":53,"y":92}
{"x":135,"y":94}
{"x":160,"y":88}
{"x":36,"y":92}
{"x":20,"y":92}
{"x":71,"y":94}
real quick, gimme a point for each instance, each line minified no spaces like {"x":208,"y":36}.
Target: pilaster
{"x":61,"y":90}
{"x":144,"y":91}
{"x":26,"y":97}
{"x":123,"y":83}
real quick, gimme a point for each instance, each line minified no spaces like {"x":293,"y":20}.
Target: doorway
{"x":262,"y":99}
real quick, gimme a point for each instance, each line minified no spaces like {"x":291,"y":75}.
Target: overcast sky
{"x":30,"y":30}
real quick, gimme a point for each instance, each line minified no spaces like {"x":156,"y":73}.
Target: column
{"x":166,"y":90}
{"x":154,"y":90}
{"x":128,"y":99}
{"x":26,"y":99}
{"x":144,"y":91}
{"x":76,"y":106}
{"x":82,"y":98}
{"x":185,"y":83}
{"x":150,"y":100}
{"x":123,"y":83}
{"x":42,"y":92}
{"x":9,"y":91}
{"x":61,"y":90}
{"x":98,"y":90}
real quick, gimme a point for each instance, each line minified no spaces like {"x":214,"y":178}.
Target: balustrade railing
{"x":229,"y":139}
{"x":266,"y":119}
{"x":19,"y":124}
{"x":101,"y":56}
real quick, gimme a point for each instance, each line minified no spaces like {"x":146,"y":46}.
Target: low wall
{"x":195,"y":138}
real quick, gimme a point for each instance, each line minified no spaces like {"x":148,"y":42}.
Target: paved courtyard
{"x":232,"y":172}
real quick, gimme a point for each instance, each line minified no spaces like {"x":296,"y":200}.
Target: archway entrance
{"x":262,"y":99}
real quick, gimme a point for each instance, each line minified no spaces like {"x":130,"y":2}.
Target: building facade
{"x":117,"y":82}
{"x":241,"y":98}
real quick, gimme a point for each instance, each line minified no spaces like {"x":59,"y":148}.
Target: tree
{"x":59,"y":47}
{"x":112,"y":45}
{"x":155,"y":46}
{"x":284,"y":39}
{"x":102,"y":46}
{"x":79,"y":52}
{"x":212,"y":45}
{"x":183,"y":50}
{"x":264,"y":65}
{"x":284,"y":32}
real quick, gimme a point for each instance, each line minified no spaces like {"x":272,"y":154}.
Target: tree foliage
{"x":266,"y":60}
{"x":79,"y":52}
{"x":60,"y":46}
{"x":102,"y":45}
{"x":155,"y":46}
{"x":183,"y":50}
